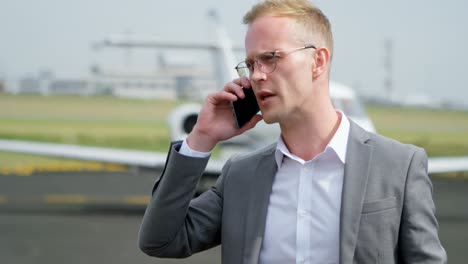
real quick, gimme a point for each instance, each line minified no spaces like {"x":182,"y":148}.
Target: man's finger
{"x":245,"y":82}
{"x":223,"y":96}
{"x":235,"y":89}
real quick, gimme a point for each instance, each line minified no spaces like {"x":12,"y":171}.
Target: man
{"x":327,"y":192}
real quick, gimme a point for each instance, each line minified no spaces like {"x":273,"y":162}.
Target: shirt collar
{"x":338,"y":143}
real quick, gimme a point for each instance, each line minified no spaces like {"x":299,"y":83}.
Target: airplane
{"x":182,"y":119}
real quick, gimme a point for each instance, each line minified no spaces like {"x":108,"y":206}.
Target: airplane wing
{"x":150,"y":42}
{"x":145,"y":159}
{"x":156,"y":160}
{"x":447,"y":164}
{"x":222,"y":43}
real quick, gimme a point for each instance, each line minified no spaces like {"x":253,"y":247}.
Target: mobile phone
{"x":245,"y":109}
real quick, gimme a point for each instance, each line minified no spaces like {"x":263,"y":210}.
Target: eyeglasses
{"x":265,"y":62}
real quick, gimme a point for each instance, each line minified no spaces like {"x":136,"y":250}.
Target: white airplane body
{"x":182,"y":119}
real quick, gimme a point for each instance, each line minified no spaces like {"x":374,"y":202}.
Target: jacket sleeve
{"x":419,"y":228}
{"x":174,"y":225}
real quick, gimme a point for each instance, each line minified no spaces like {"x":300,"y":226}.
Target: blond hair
{"x":315,"y":23}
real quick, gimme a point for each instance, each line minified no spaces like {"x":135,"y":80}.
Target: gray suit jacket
{"x":387,"y":213}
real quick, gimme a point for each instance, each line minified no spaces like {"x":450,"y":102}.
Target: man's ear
{"x":322,"y":62}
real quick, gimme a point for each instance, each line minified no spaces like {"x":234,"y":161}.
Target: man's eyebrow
{"x":250,"y":57}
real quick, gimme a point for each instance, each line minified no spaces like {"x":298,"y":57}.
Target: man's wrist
{"x":199,"y":143}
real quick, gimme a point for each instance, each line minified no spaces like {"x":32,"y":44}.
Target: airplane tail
{"x":224,"y":58}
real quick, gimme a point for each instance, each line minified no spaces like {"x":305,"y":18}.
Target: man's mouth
{"x":264,"y":95}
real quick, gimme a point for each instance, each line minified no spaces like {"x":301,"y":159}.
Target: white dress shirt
{"x":303,"y":219}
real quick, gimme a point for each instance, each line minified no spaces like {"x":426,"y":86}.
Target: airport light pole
{"x":388,"y":67}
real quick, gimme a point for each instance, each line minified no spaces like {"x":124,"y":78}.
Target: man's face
{"x":286,"y":92}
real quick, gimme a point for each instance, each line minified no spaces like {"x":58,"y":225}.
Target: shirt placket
{"x":303,"y":228}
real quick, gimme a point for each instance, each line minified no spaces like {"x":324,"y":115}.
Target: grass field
{"x":440,"y":132}
{"x":95,"y":121}
{"x":142,"y":124}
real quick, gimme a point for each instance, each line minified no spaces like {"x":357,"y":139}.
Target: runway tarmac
{"x":55,"y":238}
{"x":82,"y":217}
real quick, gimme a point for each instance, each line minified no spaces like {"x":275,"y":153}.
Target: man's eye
{"x":266,"y":58}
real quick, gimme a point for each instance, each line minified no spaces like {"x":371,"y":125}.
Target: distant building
{"x":68,"y":87}
{"x":168,"y":82}
{"x":29,"y":85}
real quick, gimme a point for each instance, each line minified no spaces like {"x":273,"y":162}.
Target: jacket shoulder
{"x":380,"y":142}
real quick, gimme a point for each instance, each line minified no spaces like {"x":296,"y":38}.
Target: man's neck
{"x":309,"y":137}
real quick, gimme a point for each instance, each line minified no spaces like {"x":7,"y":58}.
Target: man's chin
{"x":269,"y":119}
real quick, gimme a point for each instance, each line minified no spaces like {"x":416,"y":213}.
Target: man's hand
{"x":215,"y":121}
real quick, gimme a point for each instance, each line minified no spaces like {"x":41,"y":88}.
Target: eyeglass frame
{"x":241,"y":69}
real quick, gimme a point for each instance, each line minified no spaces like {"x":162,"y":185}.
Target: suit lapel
{"x":259,"y":196}
{"x":358,"y":160}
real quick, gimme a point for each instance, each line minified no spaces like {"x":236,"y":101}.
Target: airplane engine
{"x":182,"y":119}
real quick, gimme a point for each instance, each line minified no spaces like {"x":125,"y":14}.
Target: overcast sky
{"x":429,"y":38}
